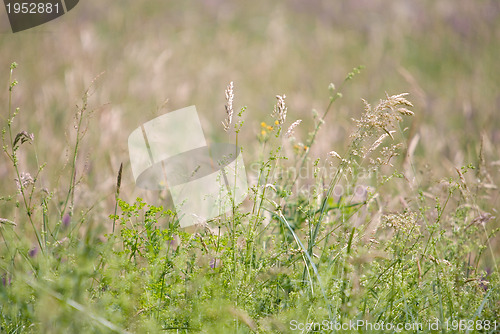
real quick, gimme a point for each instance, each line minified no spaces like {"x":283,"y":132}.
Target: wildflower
{"x":215,"y":263}
{"x":484,"y":282}
{"x":6,"y":279}
{"x":263,"y":136}
{"x":66,"y":220}
{"x":33,"y":252}
{"x":291,"y":128}
{"x":300,"y":147}
{"x":229,"y":106}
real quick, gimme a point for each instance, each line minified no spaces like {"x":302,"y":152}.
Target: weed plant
{"x":331,"y":247}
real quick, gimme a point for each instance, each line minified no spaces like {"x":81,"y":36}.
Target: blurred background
{"x":444,"y":53}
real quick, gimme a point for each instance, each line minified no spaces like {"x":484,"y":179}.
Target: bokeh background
{"x":444,"y":53}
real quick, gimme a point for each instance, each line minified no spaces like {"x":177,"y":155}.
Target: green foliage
{"x":300,"y":251}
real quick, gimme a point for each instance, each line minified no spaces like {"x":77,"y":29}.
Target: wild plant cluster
{"x":336,"y":245}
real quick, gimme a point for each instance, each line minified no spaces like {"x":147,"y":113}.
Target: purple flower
{"x":33,"y":252}
{"x":6,"y":279}
{"x":484,"y":279}
{"x":66,"y":220}
{"x":215,"y":263}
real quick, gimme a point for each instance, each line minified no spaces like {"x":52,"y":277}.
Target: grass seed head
{"x":229,"y":106}
{"x":291,"y":128}
{"x":280,"y":109}
{"x":24,"y":181}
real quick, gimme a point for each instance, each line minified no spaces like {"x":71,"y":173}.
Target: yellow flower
{"x":276,"y":122}
{"x":263,"y":124}
{"x":269,"y":128}
{"x":263,"y":132}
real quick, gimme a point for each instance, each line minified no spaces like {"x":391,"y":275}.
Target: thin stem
{"x":13,"y":158}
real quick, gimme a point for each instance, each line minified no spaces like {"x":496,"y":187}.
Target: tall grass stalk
{"x":24,"y":180}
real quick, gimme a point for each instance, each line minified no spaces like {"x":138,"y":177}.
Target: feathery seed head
{"x":334,"y":154}
{"x":385,"y":114}
{"x":229,"y":106}
{"x":25,"y":180}
{"x":280,"y":110}
{"x":291,"y":128}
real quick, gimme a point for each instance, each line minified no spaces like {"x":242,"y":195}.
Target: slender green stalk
{"x":12,"y":155}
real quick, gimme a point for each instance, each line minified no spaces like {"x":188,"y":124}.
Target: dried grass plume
{"x":229,"y":106}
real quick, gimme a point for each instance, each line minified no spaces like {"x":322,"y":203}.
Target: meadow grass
{"x":319,"y":242}
{"x":359,"y":213}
